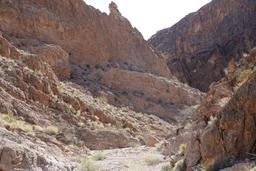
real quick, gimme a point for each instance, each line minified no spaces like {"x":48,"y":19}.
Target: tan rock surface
{"x":89,"y":36}
{"x":230,"y":131}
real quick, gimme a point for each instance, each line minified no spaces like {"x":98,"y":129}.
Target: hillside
{"x":74,"y":79}
{"x":81,"y":90}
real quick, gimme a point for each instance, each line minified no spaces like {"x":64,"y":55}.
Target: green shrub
{"x":243,"y":75}
{"x":23,"y":126}
{"x":182,"y":149}
{"x":52,"y":130}
{"x":10,"y":118}
{"x":166,"y":167}
{"x":99,"y":156}
{"x":180,"y":165}
{"x":16,"y":124}
{"x":88,"y":165}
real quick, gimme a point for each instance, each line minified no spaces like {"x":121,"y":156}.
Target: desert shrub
{"x":166,"y":167}
{"x":243,"y":75}
{"x":23,"y":126}
{"x":99,"y":156}
{"x":151,"y":160}
{"x":51,"y":130}
{"x":88,"y":165}
{"x":182,"y":149}
{"x":16,"y":124}
{"x":10,"y":118}
{"x":180,"y":165}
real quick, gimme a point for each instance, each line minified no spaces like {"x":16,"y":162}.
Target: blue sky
{"x":149,"y":16}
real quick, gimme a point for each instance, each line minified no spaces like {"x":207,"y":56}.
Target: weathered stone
{"x":87,"y":35}
{"x":105,"y":139}
{"x":200,"y":46}
{"x":231,"y":134}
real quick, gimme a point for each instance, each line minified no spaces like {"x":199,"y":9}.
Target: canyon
{"x":200,"y":46}
{"x":82,"y":90}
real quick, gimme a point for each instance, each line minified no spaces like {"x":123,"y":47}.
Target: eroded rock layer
{"x":100,"y":52}
{"x":228,"y":135}
{"x":89,"y":36}
{"x":61,"y":117}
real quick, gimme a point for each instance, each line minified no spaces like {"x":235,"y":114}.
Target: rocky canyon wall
{"x":200,"y":46}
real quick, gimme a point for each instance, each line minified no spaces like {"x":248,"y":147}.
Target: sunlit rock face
{"x":200,"y":46}
{"x":89,"y":36}
{"x":229,"y":109}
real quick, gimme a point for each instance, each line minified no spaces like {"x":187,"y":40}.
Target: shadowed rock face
{"x":200,"y":46}
{"x":89,"y":36}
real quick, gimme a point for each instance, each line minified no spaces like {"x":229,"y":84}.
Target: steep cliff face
{"x":89,"y":36}
{"x":73,"y":79}
{"x":103,"y":53}
{"x":200,"y":46}
{"x":45,"y":122}
{"x":229,"y":109}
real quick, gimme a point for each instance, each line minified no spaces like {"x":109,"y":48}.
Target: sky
{"x":149,"y":16}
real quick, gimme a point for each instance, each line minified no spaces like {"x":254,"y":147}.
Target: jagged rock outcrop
{"x":30,"y":89}
{"x":19,"y":152}
{"x":34,"y":103}
{"x":73,"y":79}
{"x":151,"y":94}
{"x":234,"y":130}
{"x":86,"y":34}
{"x":99,"y":52}
{"x":200,"y":46}
{"x":229,"y":110}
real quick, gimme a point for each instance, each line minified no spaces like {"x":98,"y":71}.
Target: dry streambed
{"x":127,"y":159}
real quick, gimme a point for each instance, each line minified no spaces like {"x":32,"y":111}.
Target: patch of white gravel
{"x":130,"y":159}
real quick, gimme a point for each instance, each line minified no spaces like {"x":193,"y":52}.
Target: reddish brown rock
{"x":229,"y":111}
{"x":89,"y":36}
{"x":231,"y":134}
{"x":200,"y":46}
{"x":56,"y":57}
{"x":217,"y":97}
{"x":151,"y":94}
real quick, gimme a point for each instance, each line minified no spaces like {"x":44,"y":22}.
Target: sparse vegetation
{"x":151,"y":160}
{"x":243,"y":76}
{"x":166,"y":167}
{"x":51,"y":130}
{"x":12,"y":121}
{"x":88,"y":165}
{"x":173,"y":160}
{"x":182,"y":149}
{"x":180,"y":165}
{"x":10,"y":118}
{"x":99,"y":156}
